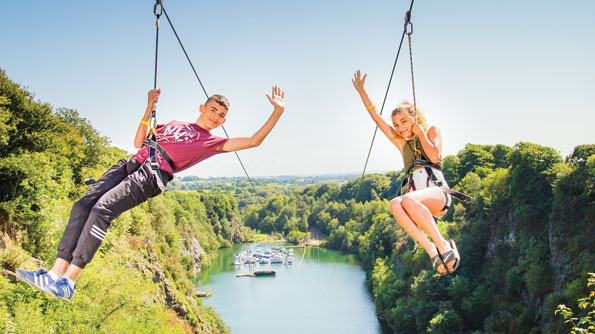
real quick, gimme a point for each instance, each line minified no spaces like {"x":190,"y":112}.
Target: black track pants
{"x":121,"y":188}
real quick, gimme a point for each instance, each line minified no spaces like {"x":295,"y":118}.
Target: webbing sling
{"x":154,"y":147}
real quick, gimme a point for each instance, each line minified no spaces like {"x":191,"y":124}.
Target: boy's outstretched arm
{"x":277,"y":99}
{"x":141,"y":132}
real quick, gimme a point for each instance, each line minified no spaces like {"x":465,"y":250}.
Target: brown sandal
{"x":437,"y":262}
{"x":450,"y":255}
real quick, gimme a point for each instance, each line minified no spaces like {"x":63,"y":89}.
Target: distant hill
{"x":288,"y":181}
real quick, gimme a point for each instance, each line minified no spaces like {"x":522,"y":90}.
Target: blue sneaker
{"x":37,"y":279}
{"x":60,"y":289}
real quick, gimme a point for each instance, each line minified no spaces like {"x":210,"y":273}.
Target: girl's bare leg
{"x":413,"y":229}
{"x":420,"y":206}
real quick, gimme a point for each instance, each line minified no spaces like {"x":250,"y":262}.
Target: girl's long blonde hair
{"x":408,"y":108}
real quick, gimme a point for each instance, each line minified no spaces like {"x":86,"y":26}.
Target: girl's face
{"x":403,"y":124}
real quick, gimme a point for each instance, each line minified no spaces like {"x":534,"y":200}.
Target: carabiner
{"x":160,"y":5}
{"x":408,"y":24}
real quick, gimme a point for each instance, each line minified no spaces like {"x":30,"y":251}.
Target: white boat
{"x":276,"y":258}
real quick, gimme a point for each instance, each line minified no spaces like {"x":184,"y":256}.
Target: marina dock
{"x":258,"y":273}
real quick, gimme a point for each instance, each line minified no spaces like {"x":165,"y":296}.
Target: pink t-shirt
{"x":186,"y":144}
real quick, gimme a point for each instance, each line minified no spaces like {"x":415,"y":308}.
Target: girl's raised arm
{"x":389,"y":131}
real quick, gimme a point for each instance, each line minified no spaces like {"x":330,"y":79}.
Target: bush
{"x":584,"y":321}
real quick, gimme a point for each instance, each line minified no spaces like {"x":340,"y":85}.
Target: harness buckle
{"x":154,"y":165}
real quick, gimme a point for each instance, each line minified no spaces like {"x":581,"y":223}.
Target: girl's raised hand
{"x":359,"y":81}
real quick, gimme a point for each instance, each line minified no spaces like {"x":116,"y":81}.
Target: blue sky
{"x":495,"y":72}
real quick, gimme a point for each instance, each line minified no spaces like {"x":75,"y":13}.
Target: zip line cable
{"x":408,"y":32}
{"x":160,"y":4}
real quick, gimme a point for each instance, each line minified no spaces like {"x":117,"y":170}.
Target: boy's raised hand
{"x":278,"y":98}
{"x":358,"y":80}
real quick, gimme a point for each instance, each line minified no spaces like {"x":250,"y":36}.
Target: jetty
{"x":258,"y":273}
{"x":282,"y":247}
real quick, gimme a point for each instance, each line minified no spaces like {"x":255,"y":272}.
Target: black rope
{"x":204,"y":90}
{"x":158,"y":3}
{"x":408,"y":15}
{"x":405,"y":31}
{"x":409,"y":29}
{"x":157,"y":15}
{"x":207,"y":95}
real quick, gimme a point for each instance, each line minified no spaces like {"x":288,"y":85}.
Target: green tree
{"x":584,"y":322}
{"x":472,"y":158}
{"x":447,"y":322}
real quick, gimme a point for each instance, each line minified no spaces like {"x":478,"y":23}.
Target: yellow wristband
{"x":144,"y":122}
{"x":370,"y":107}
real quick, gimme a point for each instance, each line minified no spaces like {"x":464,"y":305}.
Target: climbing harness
{"x":411,"y":183}
{"x":423,"y":174}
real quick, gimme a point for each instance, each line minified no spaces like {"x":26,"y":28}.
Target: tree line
{"x":525,"y":239}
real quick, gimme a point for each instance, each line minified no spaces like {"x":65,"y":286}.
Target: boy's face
{"x":212,"y":114}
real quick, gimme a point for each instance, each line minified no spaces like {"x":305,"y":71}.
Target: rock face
{"x":168,"y":294}
{"x":502,"y":233}
{"x":195,"y":252}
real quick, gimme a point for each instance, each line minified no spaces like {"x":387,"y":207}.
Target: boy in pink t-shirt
{"x":132,"y":181}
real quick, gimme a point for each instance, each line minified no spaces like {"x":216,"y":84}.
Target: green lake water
{"x":325,"y":294}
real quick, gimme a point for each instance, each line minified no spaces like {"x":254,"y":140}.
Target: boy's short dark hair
{"x":220,"y":99}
